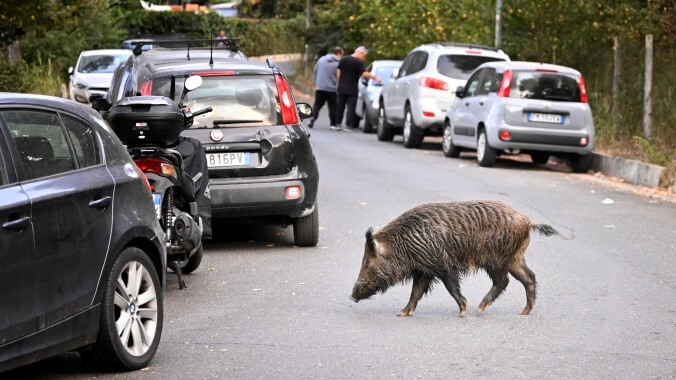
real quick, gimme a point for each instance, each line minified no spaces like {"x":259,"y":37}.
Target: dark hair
{"x":336,"y":50}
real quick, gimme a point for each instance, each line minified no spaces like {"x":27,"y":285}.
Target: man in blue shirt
{"x":325,"y":85}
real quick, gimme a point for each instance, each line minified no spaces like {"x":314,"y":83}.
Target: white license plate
{"x":226,"y":159}
{"x":546,"y":118}
{"x":157,"y":200}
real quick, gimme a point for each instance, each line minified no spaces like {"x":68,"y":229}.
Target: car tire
{"x":447,"y":146}
{"x":306,"y":229}
{"x":580,"y":164}
{"x":484,"y":153}
{"x":384,"y":132}
{"x":134,"y":346}
{"x":190,"y":265}
{"x":413,"y":136}
{"x":539,"y":158}
{"x":368,"y":127}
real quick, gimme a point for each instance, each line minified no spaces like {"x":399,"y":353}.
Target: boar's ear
{"x":370,"y":241}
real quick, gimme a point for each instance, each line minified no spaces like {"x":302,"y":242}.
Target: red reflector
{"x":293,"y":192}
{"x":476,"y":52}
{"x":433,"y":83}
{"x":287,"y":104}
{"x":428,"y":114}
{"x":142,"y":175}
{"x":546,"y":70}
{"x":215,"y":73}
{"x":506,"y":84}
{"x":505,"y":135}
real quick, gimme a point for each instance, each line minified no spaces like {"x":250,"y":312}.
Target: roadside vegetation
{"x":50,"y":34}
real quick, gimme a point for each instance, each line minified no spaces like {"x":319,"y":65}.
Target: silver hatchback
{"x":522,"y":107}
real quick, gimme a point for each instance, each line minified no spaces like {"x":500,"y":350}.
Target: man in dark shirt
{"x":350,"y":69}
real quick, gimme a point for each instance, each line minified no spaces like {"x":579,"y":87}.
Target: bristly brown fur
{"x":444,"y":241}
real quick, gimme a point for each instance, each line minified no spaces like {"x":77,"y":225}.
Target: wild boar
{"x":445,"y":241}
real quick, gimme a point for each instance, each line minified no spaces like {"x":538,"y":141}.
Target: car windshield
{"x":545,"y":85}
{"x":385,"y":73}
{"x":100,"y":63}
{"x":236,"y":100}
{"x":461,"y":66}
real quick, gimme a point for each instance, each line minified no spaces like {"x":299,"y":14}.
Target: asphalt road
{"x":260,"y":308}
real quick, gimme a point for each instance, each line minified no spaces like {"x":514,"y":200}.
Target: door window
{"x":473,"y":84}
{"x":84,"y":141}
{"x":40,"y":141}
{"x":487,"y":83}
{"x":405,"y":67}
{"x":418,"y":63}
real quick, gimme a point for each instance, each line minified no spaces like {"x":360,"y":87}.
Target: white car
{"x":416,"y":102}
{"x":369,"y":91}
{"x":93,"y":73}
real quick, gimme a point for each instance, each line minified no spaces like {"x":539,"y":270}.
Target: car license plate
{"x":157,"y":200}
{"x":226,"y":159}
{"x":546,"y":118}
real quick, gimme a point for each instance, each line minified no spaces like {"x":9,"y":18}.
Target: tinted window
{"x":418,"y":63}
{"x":3,"y":172}
{"x":487,"y":82}
{"x":406,"y":66}
{"x":237,"y":101}
{"x":461,"y":66}
{"x":100,"y":63}
{"x":84,"y":141}
{"x":472,"y":84}
{"x":545,"y":85}
{"x":40,"y":140}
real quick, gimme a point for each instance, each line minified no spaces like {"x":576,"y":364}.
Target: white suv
{"x":415,"y":103}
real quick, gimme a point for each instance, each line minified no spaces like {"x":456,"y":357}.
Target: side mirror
{"x":191,"y":83}
{"x":395,"y":73}
{"x":100,"y":104}
{"x":70,"y":70}
{"x":460,"y":92}
{"x":304,"y":110}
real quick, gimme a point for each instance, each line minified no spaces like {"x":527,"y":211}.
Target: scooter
{"x":150,"y":127}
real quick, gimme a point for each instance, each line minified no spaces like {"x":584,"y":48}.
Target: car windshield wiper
{"x":235,"y":121}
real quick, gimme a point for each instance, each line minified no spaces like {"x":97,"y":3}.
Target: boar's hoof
{"x":525,"y":312}
{"x":405,"y":313}
{"x":462,"y":313}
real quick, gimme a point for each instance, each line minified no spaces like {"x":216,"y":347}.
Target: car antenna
{"x":188,"y":46}
{"x":211,"y":43}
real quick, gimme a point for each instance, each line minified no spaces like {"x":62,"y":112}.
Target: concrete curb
{"x":632,"y":171}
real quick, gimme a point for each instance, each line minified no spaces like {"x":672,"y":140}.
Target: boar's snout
{"x":354,"y":299}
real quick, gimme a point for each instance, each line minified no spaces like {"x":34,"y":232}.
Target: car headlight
{"x":77,"y":83}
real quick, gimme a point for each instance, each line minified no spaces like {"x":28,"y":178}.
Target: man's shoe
{"x":334,"y":128}
{"x":311,"y":123}
{"x":348,"y":129}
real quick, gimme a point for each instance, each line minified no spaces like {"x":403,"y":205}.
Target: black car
{"x":261,"y":164}
{"x":83,"y":257}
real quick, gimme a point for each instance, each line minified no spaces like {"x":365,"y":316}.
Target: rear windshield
{"x":545,"y":85}
{"x":100,"y":63}
{"x":236,"y":100}
{"x":461,"y":66}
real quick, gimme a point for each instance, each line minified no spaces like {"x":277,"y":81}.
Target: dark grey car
{"x":83,"y":258}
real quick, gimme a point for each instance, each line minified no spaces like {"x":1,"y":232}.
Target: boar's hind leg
{"x":500,"y":281}
{"x":452,"y":284}
{"x":522,"y":273}
{"x":421,"y":284}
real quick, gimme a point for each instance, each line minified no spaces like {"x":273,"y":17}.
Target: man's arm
{"x":369,"y":75}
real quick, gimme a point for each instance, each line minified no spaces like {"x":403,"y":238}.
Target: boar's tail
{"x":545,"y":229}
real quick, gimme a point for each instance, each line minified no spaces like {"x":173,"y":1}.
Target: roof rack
{"x":462,"y":44}
{"x":220,"y":43}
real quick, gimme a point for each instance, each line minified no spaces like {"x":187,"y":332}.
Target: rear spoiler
{"x":219,"y":43}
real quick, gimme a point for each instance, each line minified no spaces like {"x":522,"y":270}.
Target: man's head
{"x":360,"y":53}
{"x":337,"y":51}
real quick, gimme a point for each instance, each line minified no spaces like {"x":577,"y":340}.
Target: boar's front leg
{"x":421,"y":284}
{"x":452,"y":284}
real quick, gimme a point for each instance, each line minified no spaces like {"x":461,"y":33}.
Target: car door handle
{"x":467,"y":104}
{"x":481,"y":103}
{"x":100,"y":203}
{"x":17,"y":224}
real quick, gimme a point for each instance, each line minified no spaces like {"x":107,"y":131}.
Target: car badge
{"x":217,"y":135}
{"x":547,"y":105}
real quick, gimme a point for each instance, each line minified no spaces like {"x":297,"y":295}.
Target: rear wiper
{"x":219,"y":122}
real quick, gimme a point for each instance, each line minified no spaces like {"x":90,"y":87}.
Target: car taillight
{"x":433,"y":83}
{"x":289,"y":114}
{"x":145,"y":179}
{"x":583,"y":91}
{"x":157,"y":166}
{"x":506,"y":84}
{"x":146,"y":88}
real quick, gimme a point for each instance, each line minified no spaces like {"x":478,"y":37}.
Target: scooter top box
{"x":146,"y":121}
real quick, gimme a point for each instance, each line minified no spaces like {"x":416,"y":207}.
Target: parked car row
{"x":85,"y":258}
{"x":479,"y":100}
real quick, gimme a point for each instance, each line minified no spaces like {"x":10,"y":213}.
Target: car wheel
{"x":190,"y":265}
{"x":384,"y":132}
{"x":413,"y":136}
{"x":539,"y":158}
{"x":368,"y":127}
{"x":131,"y":314}
{"x":306,"y":229}
{"x":447,"y":146}
{"x":484,"y":153}
{"x":580,"y":164}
